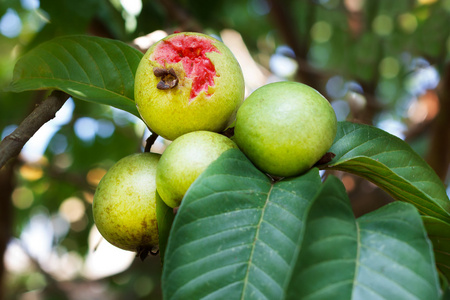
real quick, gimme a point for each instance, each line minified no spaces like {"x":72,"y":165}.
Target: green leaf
{"x":236,"y":234}
{"x":90,"y":68}
{"x":390,"y":163}
{"x":439,"y":234}
{"x":164,"y":217}
{"x":382,"y":255}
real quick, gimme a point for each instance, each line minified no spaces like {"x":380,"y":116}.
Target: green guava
{"x":284,"y":128}
{"x":188,"y":82}
{"x":124,"y":204}
{"x":184,"y":160}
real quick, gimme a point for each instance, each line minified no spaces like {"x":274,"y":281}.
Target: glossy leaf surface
{"x":90,"y":68}
{"x":390,"y":163}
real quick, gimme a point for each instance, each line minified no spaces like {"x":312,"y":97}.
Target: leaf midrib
{"x":77,"y":82}
{"x":247,"y":273}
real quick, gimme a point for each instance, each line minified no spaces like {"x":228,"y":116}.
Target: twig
{"x":150,"y":141}
{"x":11,"y":145}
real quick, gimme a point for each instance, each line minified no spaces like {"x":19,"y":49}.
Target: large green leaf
{"x":89,"y":68}
{"x":439,"y":234}
{"x":236,"y":233}
{"x":390,"y":163}
{"x":382,"y":255}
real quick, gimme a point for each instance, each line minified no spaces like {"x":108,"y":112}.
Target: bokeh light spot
{"x":8,"y":130}
{"x":72,"y":209}
{"x":22,"y":197}
{"x":94,"y":176}
{"x":260,"y":7}
{"x":105,"y":128}
{"x":341,"y":109}
{"x":426,"y":2}
{"x":85,"y":128}
{"x":30,"y":4}
{"x":10,"y":24}
{"x":408,"y":22}
{"x":321,"y":32}
{"x":133,"y":7}
{"x":336,"y":87}
{"x":389,"y":67}
{"x":31,"y":172}
{"x":382,"y":25}
{"x":354,"y":5}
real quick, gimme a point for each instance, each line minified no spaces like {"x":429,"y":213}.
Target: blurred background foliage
{"x":380,"y":62}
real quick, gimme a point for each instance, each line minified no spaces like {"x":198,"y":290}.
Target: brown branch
{"x":11,"y":145}
{"x":7,"y":184}
{"x":439,"y":152}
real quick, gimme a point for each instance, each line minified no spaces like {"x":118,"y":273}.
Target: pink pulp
{"x":191,"y":51}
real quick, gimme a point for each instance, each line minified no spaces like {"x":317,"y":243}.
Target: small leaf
{"x":236,"y":233}
{"x":164,"y":217}
{"x":90,"y":68}
{"x":382,"y":255}
{"x":439,"y":234}
{"x":390,"y":163}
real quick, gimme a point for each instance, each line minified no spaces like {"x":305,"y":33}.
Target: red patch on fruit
{"x":191,"y":51}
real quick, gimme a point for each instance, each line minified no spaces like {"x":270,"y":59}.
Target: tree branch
{"x":11,"y":145}
{"x":439,"y":152}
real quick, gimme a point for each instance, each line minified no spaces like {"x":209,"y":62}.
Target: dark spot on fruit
{"x":169,"y":78}
{"x":144,"y":224}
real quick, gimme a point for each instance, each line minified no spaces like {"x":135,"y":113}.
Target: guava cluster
{"x":189,"y":89}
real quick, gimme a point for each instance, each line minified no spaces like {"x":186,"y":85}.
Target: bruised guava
{"x":188,"y":82}
{"x":124,"y":204}
{"x":184,"y":160}
{"x":284,"y":128}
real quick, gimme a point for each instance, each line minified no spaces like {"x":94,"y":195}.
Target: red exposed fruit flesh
{"x":191,"y":51}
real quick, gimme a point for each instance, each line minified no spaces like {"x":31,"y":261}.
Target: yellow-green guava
{"x":184,"y":160}
{"x":284,"y":128}
{"x":124,"y":205}
{"x":188,"y":82}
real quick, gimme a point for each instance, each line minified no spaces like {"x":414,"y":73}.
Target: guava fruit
{"x":124,"y":205}
{"x":188,"y":82}
{"x":284,"y":128}
{"x":184,"y":160}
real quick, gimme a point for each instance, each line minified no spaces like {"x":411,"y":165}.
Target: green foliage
{"x":390,"y":163}
{"x":316,"y":245}
{"x":439,"y":234}
{"x":88,"y":68}
{"x":239,"y":235}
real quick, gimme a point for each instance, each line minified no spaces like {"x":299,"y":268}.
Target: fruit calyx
{"x":169,"y":78}
{"x":143,"y":251}
{"x":191,"y":51}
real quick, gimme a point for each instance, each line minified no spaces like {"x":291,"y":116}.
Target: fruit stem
{"x":143,"y":252}
{"x":150,"y":141}
{"x":326,"y":158}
